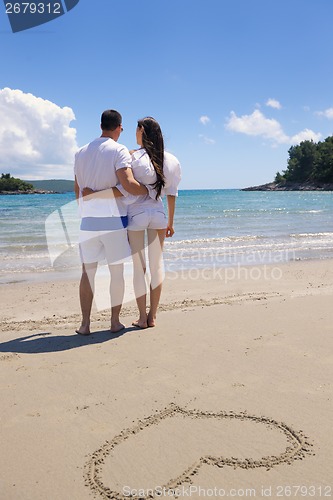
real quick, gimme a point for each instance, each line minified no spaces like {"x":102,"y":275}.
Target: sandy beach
{"x":230,"y":395}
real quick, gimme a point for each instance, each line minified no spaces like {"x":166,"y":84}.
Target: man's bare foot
{"x":83,"y":330}
{"x":151,"y":321}
{"x":140,"y":323}
{"x":116,"y":326}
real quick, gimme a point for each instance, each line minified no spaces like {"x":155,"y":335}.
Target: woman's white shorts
{"x":147,"y":218}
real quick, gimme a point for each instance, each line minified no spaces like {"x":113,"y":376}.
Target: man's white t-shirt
{"x":95,"y":167}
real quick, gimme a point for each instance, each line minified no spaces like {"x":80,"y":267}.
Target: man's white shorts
{"x":98,"y":245}
{"x":147,"y":218}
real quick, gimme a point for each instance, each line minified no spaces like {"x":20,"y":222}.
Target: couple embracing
{"x":120,"y":200}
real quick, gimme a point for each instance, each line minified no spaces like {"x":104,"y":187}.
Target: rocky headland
{"x":291,"y":186}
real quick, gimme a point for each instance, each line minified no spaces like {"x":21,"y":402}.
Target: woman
{"x":160,"y":172}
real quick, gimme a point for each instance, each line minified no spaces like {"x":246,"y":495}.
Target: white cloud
{"x":36,"y":140}
{"x":204,"y":119}
{"x":207,"y":140}
{"x":328,"y":113}
{"x":305,"y":135}
{"x":273,"y":103}
{"x":257,"y":124}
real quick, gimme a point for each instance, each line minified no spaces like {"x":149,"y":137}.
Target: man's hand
{"x":104,"y":194}
{"x":86,"y":193}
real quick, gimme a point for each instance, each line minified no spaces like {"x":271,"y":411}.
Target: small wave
{"x":225,"y":239}
{"x":310,"y":211}
{"x":23,"y":248}
{"x":311,"y":235}
{"x":23,"y":256}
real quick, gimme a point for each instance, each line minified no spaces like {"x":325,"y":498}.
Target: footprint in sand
{"x":169,"y":448}
{"x":9,"y":357}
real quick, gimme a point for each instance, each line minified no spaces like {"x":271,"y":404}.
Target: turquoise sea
{"x":213,"y":227}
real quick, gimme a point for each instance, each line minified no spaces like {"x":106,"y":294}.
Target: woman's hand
{"x":169,"y":232}
{"x":171,"y":212}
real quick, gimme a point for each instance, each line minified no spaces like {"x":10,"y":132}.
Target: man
{"x":100,"y":165}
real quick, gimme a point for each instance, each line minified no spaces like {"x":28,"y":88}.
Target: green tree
{"x":309,"y":161}
{"x":9,"y":183}
{"x":323,"y":168}
{"x":301,"y":161}
{"x":279,"y":178}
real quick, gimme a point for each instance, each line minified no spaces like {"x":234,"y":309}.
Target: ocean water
{"x":213,"y":228}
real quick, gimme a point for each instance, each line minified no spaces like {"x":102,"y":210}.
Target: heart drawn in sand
{"x":170,"y":447}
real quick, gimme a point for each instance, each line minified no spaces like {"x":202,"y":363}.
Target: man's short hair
{"x":110,"y":119}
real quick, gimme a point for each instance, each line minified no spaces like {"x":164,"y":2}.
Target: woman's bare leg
{"x":137,"y":243}
{"x":155,"y":255}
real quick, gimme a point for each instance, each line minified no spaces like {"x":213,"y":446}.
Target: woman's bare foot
{"x":151,"y":320}
{"x":140,"y":323}
{"x":83,"y":330}
{"x":116,"y":326}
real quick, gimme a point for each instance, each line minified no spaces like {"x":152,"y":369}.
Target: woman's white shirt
{"x":144,"y":172}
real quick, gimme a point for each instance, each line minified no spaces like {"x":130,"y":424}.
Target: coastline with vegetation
{"x":291,"y":186}
{"x":310,"y":168}
{"x":13,"y":186}
{"x":28,"y":191}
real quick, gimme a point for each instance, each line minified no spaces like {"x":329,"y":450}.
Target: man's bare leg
{"x":86,"y":291}
{"x":155,"y":255}
{"x":137,"y":243}
{"x":117,"y":289}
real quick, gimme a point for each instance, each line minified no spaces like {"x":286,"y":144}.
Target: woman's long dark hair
{"x":152,"y":141}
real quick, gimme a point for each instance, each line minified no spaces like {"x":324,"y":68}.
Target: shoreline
{"x":232,"y":232}
{"x":73,"y":274}
{"x":29,"y":191}
{"x":59,"y":298}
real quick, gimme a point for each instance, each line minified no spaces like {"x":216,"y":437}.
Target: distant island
{"x":12,"y":185}
{"x":55,"y":185}
{"x":310,"y":168}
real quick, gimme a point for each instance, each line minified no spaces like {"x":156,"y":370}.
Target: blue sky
{"x":233,"y":83}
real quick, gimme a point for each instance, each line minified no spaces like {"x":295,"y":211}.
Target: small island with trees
{"x":310,"y":167}
{"x":13,"y":185}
